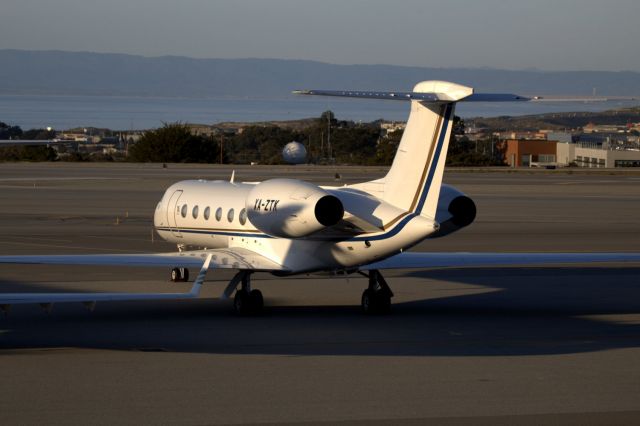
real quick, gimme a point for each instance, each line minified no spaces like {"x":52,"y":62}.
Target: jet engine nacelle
{"x":455,"y":211}
{"x":292,"y":208}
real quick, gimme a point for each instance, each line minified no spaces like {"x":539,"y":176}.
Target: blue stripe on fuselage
{"x":425,"y":189}
{"x":214,"y":232}
{"x":436,"y":158}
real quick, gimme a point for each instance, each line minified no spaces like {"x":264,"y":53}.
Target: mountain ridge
{"x":56,"y":72}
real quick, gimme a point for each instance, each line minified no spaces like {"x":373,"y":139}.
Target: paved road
{"x":463,"y":346}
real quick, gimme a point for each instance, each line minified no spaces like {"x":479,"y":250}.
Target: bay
{"x":136,"y":113}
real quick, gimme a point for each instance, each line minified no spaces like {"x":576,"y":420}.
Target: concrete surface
{"x":463,"y":346}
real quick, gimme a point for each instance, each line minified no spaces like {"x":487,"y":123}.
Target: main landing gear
{"x":376,"y":299}
{"x":247,"y":301}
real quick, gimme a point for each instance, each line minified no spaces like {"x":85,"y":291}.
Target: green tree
{"x":9,"y":132}
{"x":355,"y":144}
{"x":174,"y":143}
{"x":38,"y":134}
{"x":387,"y":147}
{"x":27,"y":153}
{"x":262,"y":144}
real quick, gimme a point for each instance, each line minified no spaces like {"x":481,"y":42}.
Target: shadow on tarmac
{"x":533,"y":311}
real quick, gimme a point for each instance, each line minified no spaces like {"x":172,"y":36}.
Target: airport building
{"x":593,"y":150}
{"x":528,"y":152}
{"x":594,"y":156}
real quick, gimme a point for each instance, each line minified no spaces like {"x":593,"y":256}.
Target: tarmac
{"x":530,"y":345}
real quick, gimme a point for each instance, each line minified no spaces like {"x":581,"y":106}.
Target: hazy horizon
{"x":546,"y":35}
{"x":530,"y":69}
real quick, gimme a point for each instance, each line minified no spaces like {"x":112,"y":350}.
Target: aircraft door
{"x":173,"y":211}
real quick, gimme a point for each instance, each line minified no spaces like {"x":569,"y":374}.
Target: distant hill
{"x":80,"y":73}
{"x":559,"y":120}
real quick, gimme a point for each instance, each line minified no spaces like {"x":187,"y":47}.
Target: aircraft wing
{"x":232,"y":258}
{"x":409,"y":260}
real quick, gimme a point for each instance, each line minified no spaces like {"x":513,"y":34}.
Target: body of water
{"x":130,"y":113}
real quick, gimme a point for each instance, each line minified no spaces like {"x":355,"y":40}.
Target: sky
{"x":516,"y":34}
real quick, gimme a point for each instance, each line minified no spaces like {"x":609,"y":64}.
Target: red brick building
{"x":521,"y":153}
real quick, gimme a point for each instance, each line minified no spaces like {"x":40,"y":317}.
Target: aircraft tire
{"x":368,"y":302}
{"x":242,"y":303}
{"x":257,"y":301}
{"x":383,"y":303}
{"x":176,"y":275}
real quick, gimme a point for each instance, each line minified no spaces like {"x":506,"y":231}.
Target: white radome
{"x":294,"y":153}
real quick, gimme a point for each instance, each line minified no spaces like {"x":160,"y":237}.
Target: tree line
{"x":327,"y":140}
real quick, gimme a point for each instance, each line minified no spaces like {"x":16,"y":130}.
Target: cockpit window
{"x":194,"y":212}
{"x":207,"y":211}
{"x":183,"y":212}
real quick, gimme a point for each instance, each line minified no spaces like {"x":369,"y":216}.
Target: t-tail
{"x":414,"y":180}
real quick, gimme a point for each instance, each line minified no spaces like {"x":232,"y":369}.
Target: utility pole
{"x":329,"y":135}
{"x":221,"y":146}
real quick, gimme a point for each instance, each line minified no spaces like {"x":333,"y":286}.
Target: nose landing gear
{"x":179,"y":275}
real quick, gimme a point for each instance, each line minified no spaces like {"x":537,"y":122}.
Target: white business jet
{"x":288,"y":226}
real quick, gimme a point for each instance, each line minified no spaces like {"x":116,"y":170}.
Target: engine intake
{"x":329,"y":210}
{"x":463,"y":211}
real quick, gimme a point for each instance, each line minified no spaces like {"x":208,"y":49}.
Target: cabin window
{"x":230,"y":215}
{"x":243,"y":216}
{"x":194,"y":212}
{"x":183,"y":212}
{"x":219,"y":214}
{"x":207,"y":212}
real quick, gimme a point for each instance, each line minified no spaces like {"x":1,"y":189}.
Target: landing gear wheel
{"x":179,"y":274}
{"x":375,"y":302}
{"x":242,"y":303}
{"x":368,"y":302}
{"x":257,"y":301}
{"x":248,"y":303}
{"x":383,"y":302}
{"x":376,"y":299}
{"x":175,"y":275}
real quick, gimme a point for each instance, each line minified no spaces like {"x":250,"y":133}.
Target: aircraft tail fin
{"x":414,"y":180}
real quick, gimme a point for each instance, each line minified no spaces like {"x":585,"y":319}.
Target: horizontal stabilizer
{"x":416,"y":96}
